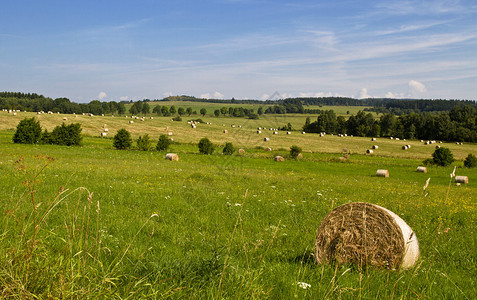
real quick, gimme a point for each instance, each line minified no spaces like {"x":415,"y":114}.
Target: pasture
{"x":130,"y":224}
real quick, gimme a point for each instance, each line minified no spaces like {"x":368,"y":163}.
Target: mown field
{"x":129,"y":224}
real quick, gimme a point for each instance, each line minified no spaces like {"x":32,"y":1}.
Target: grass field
{"x":129,"y":224}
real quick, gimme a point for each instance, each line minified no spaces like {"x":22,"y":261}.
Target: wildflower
{"x":303,"y":285}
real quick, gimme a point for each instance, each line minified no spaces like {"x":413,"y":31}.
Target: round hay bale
{"x":268,"y":149}
{"x":369,"y":151}
{"x":366,"y":234}
{"x":422,"y":169}
{"x":288,"y":132}
{"x":172,"y":157}
{"x":258,"y":132}
{"x":266,"y":139}
{"x":299,"y":155}
{"x":241,"y":151}
{"x":462,"y":179}
{"x":375,"y":147}
{"x":404,"y":147}
{"x":226,"y":131}
{"x":303,"y":132}
{"x":130,"y":122}
{"x":437,"y":147}
{"x":278,"y":158}
{"x":382,"y":173}
{"x":104,"y":134}
{"x":373,"y":139}
{"x":105,"y":129}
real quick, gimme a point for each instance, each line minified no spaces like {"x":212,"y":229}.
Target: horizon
{"x":242,"y":49}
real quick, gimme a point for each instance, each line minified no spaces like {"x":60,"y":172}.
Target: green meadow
{"x":95,"y":222}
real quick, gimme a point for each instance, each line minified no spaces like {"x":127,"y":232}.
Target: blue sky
{"x":121,"y":50}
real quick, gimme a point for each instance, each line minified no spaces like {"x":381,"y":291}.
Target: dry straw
{"x":368,"y":235}
{"x":382,"y":173}
{"x":172,"y":157}
{"x":422,"y":169}
{"x":462,"y":179}
{"x":241,"y":151}
{"x":279,"y":158}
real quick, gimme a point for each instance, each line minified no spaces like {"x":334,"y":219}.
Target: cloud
{"x":394,"y":95}
{"x":123,"y":98}
{"x":416,"y":88}
{"x":167,"y":94}
{"x":205,"y":96}
{"x":102,"y":95}
{"x":265,"y":97}
{"x":364,"y":93}
{"x":218,"y":95}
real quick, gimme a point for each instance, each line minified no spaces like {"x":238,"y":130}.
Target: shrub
{"x":67,"y":135}
{"x":228,"y":149}
{"x":294,"y":151}
{"x":144,"y":143}
{"x":206,"y":146}
{"x":122,"y":140}
{"x":28,"y":132}
{"x":443,"y":157}
{"x":470,"y":161}
{"x":178,"y":118}
{"x":163,"y":143}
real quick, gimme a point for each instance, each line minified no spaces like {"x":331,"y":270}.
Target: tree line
{"x":458,"y":124}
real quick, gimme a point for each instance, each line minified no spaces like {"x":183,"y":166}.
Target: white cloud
{"x":123,"y":98}
{"x":364,"y":93}
{"x":394,"y":95}
{"x":416,"y":88}
{"x":218,"y":95}
{"x":167,"y":94}
{"x":205,"y":96}
{"x":102,"y":95}
{"x":265,"y":97}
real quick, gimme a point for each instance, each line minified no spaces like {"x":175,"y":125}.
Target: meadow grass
{"x":129,"y":224}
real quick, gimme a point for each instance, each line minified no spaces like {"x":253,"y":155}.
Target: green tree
{"x":223,"y":110}
{"x":206,"y":146}
{"x":165,"y":111}
{"x":217,"y":112}
{"x":28,"y":131}
{"x":67,"y":135}
{"x":163,"y":143}
{"x":189,"y":111}
{"x":470,"y":161}
{"x":121,"y":108}
{"x":181,"y":111}
{"x":133,"y":110}
{"x":260,"y":111}
{"x":203,"y":111}
{"x":144,"y":142}
{"x":172,"y":110}
{"x":442,"y":157}
{"x":145,"y":108}
{"x":294,"y":151}
{"x":122,"y":140}
{"x":157,"y":110}
{"x":228,"y":149}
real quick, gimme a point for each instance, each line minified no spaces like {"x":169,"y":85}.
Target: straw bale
{"x":268,"y":149}
{"x":279,"y":158}
{"x":382,"y":173}
{"x":375,"y":147}
{"x":130,"y":122}
{"x":172,"y":157}
{"x":367,"y":235}
{"x":241,"y":151}
{"x":258,"y":132}
{"x":266,"y":139}
{"x":462,"y":179}
{"x":373,"y":139}
{"x":105,"y":129}
{"x":369,"y":151}
{"x":104,"y":134}
{"x":421,"y":169}
{"x":299,"y":155}
{"x":226,"y":131}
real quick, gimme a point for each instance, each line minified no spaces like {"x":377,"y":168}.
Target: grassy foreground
{"x":98,"y":222}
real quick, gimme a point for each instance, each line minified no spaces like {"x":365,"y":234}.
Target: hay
{"x":382,"y":173}
{"x":241,"y":151}
{"x":421,"y":169}
{"x":266,"y":139}
{"x":375,"y":147}
{"x":226,"y":131}
{"x":172,"y":157}
{"x":367,"y":235}
{"x":369,"y":151}
{"x":299,"y":155}
{"x":462,"y":179}
{"x":268,"y":149}
{"x":279,"y":158}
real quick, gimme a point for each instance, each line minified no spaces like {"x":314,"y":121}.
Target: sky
{"x":245,"y":49}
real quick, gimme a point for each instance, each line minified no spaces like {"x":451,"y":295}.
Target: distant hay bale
{"x":241,"y":151}
{"x":226,"y":131}
{"x":193,"y":126}
{"x":104,"y":134}
{"x":288,"y":132}
{"x":404,"y":147}
{"x":373,"y":139}
{"x":369,"y":151}
{"x":105,"y":126}
{"x":299,"y":155}
{"x":169,"y":133}
{"x":303,"y":132}
{"x":266,"y":139}
{"x":65,"y":119}
{"x":131,"y":122}
{"x":462,"y":179}
{"x":382,"y":173}
{"x":375,"y":147}
{"x":275,"y":132}
{"x":367,"y":235}
{"x":172,"y":157}
{"x":437,"y":147}
{"x":258,"y":132}
{"x":422,"y":169}
{"x":268,"y":149}
{"x":105,"y":129}
{"x":278,"y":158}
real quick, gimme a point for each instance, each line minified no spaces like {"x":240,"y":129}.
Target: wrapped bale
{"x":172,"y":157}
{"x":279,"y":158}
{"x":422,"y":169}
{"x":268,"y":149}
{"x":366,"y":234}
{"x":382,"y":173}
{"x":375,"y":147}
{"x":369,"y":151}
{"x":462,"y":179}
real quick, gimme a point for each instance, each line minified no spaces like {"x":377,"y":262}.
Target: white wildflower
{"x":303,"y":285}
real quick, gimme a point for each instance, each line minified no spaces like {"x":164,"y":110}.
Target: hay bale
{"x":462,"y":179}
{"x":65,"y":119}
{"x":266,"y":139}
{"x":172,"y":157}
{"x":373,"y":139}
{"x":226,"y":131}
{"x":421,"y":169}
{"x":299,"y":155}
{"x":382,"y":173}
{"x":404,"y":147}
{"x":105,"y":129}
{"x":268,"y":149}
{"x":275,"y":132}
{"x":278,"y":158}
{"x":303,"y":132}
{"x":258,"y":132}
{"x":367,"y":235}
{"x":375,"y":147}
{"x":130,"y":122}
{"x":288,"y":132}
{"x":437,"y":147}
{"x":241,"y":151}
{"x":369,"y":151}
{"x":104,"y":134}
